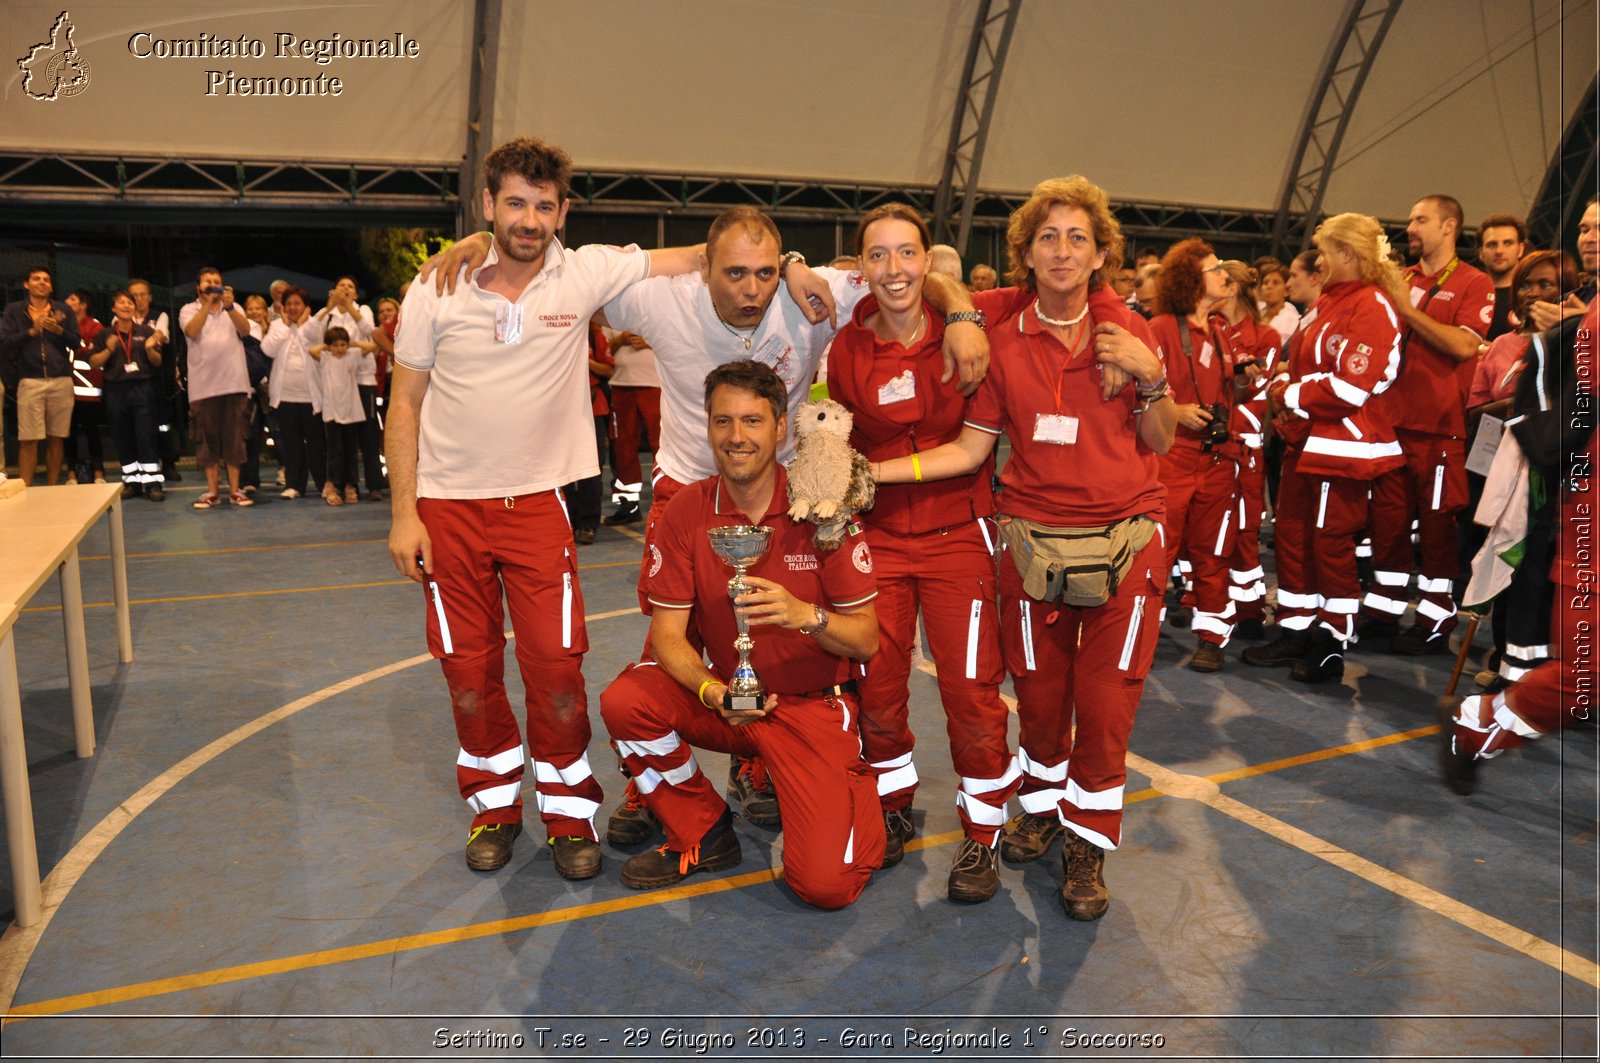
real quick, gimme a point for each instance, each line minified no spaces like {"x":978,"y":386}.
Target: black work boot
{"x":1287,"y":648}
{"x":1323,"y":661}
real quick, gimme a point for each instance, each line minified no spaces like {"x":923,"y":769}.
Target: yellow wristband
{"x":916,"y":467}
{"x":701,"y":693}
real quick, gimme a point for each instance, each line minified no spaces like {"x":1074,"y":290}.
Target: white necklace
{"x":1060,"y":324}
{"x":735,"y":333}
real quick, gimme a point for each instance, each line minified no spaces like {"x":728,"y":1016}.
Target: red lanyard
{"x":127,"y":343}
{"x":1071,"y":354}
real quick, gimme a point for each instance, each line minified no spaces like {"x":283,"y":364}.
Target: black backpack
{"x":1552,"y":412}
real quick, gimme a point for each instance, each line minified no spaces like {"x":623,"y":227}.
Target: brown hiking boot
{"x":898,"y":828}
{"x":655,"y":868}
{"x":975,"y":874}
{"x":632,"y":822}
{"x":576,"y":856}
{"x":489,"y":846}
{"x":1027,"y":837}
{"x":1083,"y":888}
{"x":1208,"y":657}
{"x":750,"y":788}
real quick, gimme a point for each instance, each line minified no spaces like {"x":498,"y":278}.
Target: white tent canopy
{"x":1166,"y":101}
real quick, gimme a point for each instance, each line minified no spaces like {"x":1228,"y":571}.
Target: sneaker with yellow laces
{"x":655,"y":868}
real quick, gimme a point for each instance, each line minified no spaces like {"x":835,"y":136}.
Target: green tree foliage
{"x":393,"y":256}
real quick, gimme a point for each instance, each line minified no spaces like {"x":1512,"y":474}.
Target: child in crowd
{"x":342,"y":414}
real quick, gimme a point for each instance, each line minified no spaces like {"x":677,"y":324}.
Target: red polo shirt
{"x":1105,"y":474}
{"x":1204,"y":380}
{"x":899,"y":406}
{"x":1431,"y":394}
{"x":684,"y":573}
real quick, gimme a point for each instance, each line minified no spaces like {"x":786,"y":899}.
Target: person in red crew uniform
{"x":1337,"y":438}
{"x":1201,"y":471}
{"x":1077,"y":386}
{"x":934,"y":545}
{"x":808,"y":614}
{"x":1560,"y":692}
{"x":1445,"y":307}
{"x":635,"y":409}
{"x":85,"y":453}
{"x":1252,"y":347}
{"x":490,"y":416}
{"x":1518,"y":619}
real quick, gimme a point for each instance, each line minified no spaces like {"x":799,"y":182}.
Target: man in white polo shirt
{"x":489,"y":417}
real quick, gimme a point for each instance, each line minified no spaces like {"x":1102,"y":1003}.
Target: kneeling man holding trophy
{"x":780,"y":636}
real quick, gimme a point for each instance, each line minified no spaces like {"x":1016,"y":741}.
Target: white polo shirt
{"x":216,"y":356}
{"x":510,"y":418}
{"x":675,"y":314}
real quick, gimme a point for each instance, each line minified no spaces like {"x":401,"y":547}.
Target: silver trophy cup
{"x":740,"y":546}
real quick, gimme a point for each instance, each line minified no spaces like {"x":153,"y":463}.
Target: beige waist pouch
{"x":1077,"y":566}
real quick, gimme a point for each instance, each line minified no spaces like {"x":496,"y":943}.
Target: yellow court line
{"x":388,"y":947}
{"x":17,"y":944}
{"x":279,"y":590}
{"x":1167,"y":783}
{"x":629,"y":532}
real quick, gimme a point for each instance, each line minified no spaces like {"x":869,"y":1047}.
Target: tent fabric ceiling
{"x":1171,"y":101}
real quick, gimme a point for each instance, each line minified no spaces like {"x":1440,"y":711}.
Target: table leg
{"x":119,"y":584}
{"x":20,"y":843}
{"x":77,"y":654}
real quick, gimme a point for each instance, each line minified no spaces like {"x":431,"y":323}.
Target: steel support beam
{"x":480,"y":113}
{"x":969,"y":125}
{"x":1570,"y":181}
{"x":1355,"y":45}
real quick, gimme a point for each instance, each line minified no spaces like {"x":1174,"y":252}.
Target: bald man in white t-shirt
{"x":489,"y":416}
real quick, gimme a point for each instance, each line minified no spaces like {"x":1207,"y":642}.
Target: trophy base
{"x":743,"y":702}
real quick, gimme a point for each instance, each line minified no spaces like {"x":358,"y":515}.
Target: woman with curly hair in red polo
{"x":1202,"y":468}
{"x":1076,"y":386}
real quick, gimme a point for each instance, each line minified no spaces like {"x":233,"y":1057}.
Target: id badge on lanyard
{"x":1058,"y":428}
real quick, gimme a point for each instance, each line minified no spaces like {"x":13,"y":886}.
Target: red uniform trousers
{"x":1318,"y":519}
{"x":1085,"y":667}
{"x":1554,"y":695}
{"x":950,"y":574}
{"x":525,"y":545}
{"x":1247,"y":580}
{"x":1431,"y":488}
{"x":1200,"y":526}
{"x":632,"y":408}
{"x":833,"y":835}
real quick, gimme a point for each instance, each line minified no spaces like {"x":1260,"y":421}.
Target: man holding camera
{"x":219,"y":384}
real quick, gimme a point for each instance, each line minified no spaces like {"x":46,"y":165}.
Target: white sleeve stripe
{"x":858,"y":601}
{"x":982,"y":427}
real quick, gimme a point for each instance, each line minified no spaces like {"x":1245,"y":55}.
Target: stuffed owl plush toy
{"x":829,"y":482}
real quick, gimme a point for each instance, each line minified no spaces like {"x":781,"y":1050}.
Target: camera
{"x":213,"y":289}
{"x":1216,"y":432}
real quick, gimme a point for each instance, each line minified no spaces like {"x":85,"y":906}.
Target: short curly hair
{"x":1181,"y":283}
{"x":531,"y":159}
{"x":1074,"y":190}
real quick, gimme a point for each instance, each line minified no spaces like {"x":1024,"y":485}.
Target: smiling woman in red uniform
{"x":1201,"y":470}
{"x":1336,"y":440}
{"x":1075,"y":384}
{"x":934,"y":547}
{"x":1252,"y":347}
